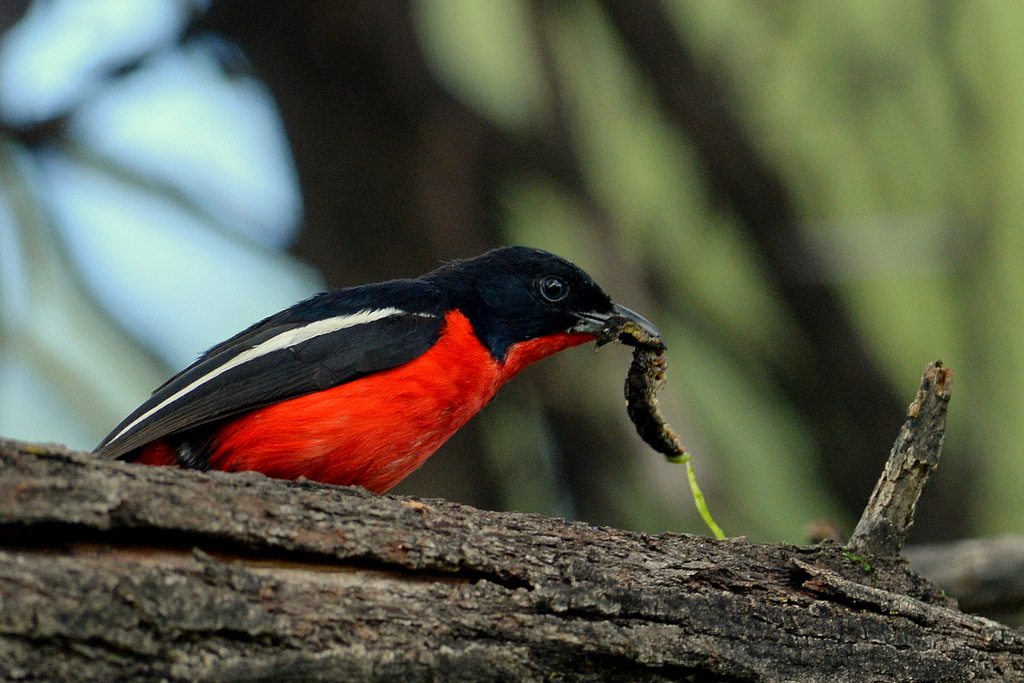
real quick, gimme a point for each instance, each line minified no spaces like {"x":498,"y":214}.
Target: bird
{"x":359,"y":386}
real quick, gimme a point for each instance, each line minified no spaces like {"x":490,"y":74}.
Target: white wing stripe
{"x":284,"y":340}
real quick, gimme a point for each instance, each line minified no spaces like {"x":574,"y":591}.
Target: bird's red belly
{"x":376,"y":430}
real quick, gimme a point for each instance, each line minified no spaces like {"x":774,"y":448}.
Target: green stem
{"x":702,"y":505}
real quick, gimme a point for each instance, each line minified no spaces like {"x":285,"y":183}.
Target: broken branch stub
{"x":885,"y":524}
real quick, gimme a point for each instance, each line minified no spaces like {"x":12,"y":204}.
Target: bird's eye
{"x":553,"y":288}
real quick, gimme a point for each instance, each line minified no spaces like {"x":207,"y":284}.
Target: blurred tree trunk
{"x":390,"y":164}
{"x":842,"y":390}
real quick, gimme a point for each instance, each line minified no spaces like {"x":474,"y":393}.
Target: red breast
{"x":376,"y":430}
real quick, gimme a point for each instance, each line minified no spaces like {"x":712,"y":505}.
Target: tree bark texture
{"x":110,"y":571}
{"x":886,"y":522}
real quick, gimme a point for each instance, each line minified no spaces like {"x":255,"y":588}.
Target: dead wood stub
{"x":889,"y":515}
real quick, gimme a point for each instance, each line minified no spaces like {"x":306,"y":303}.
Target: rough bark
{"x":886,"y":522}
{"x":111,"y":571}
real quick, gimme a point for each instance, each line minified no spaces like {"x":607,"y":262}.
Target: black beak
{"x":621,"y":324}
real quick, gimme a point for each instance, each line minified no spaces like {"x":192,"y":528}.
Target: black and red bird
{"x":361,"y":385}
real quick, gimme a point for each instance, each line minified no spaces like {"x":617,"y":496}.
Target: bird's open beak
{"x":622,"y":324}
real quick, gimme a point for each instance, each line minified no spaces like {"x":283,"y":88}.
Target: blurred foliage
{"x":138,"y":217}
{"x":812,"y":200}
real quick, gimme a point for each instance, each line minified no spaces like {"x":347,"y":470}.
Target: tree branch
{"x":984,"y":575}
{"x":117,"y":571}
{"x":885,"y":524}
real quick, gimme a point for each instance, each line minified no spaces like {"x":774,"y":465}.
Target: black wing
{"x":285,"y":359}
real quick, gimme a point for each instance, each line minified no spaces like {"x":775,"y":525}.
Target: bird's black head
{"x":516,"y":294}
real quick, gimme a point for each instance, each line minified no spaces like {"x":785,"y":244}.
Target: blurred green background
{"x":812,"y":200}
